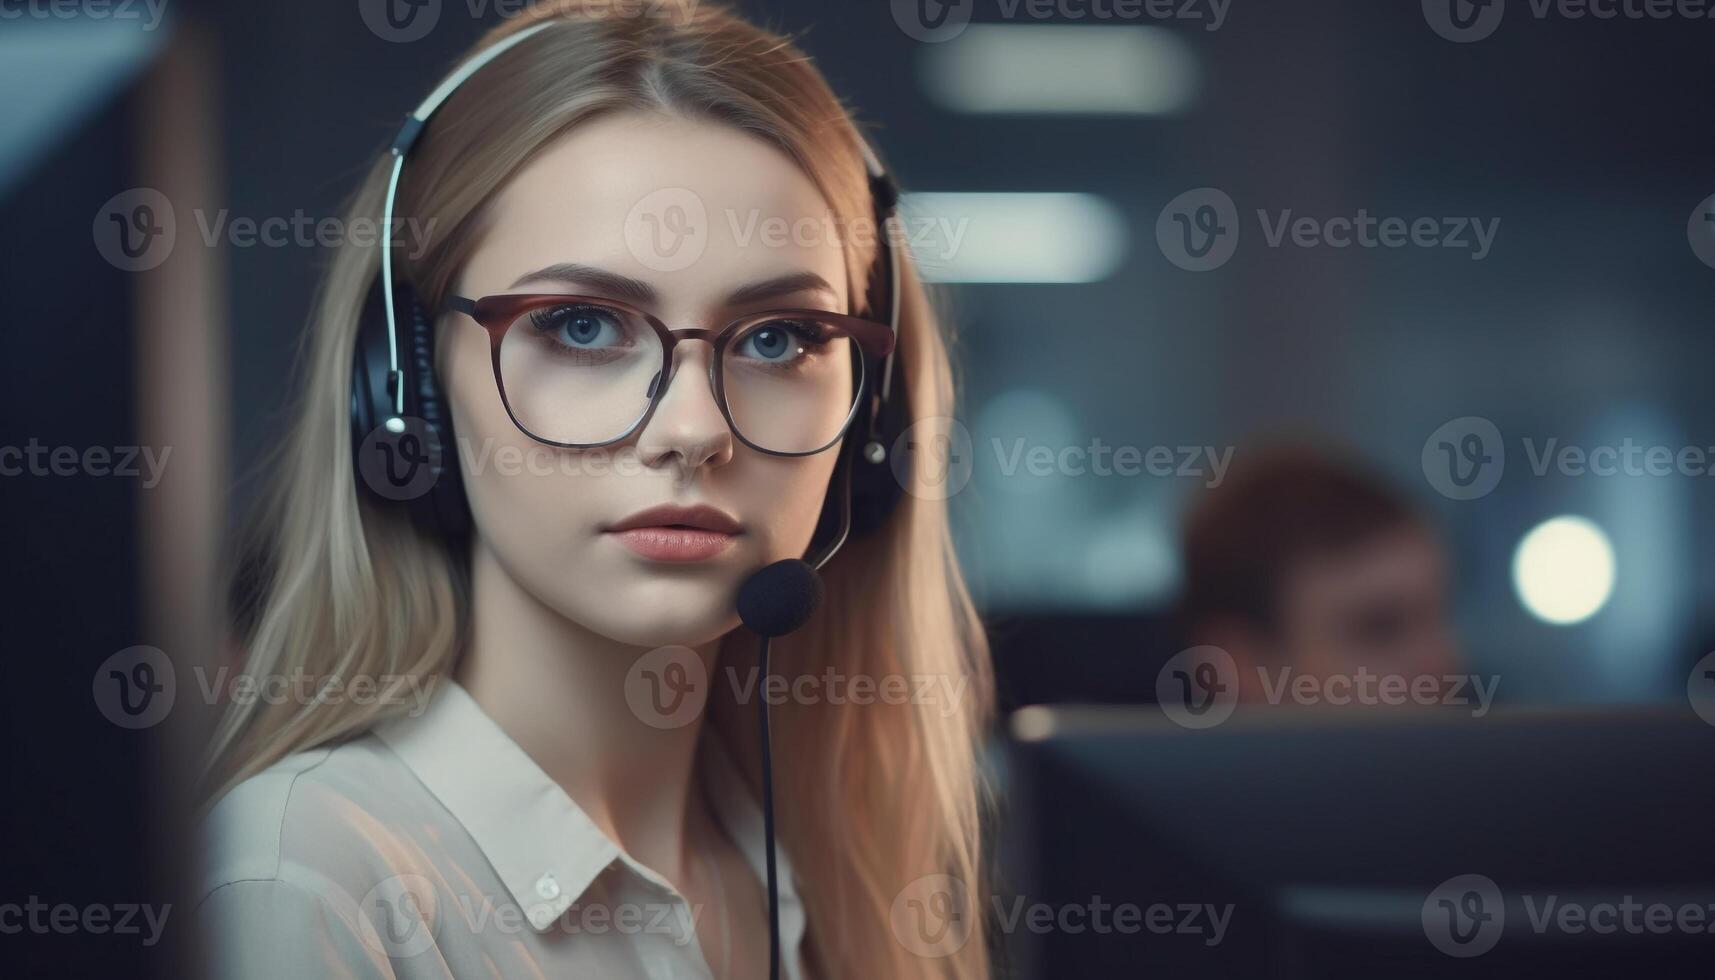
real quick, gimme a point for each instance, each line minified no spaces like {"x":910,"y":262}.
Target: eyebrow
{"x":786,"y":285}
{"x":573,"y":273}
{"x":638,"y":291}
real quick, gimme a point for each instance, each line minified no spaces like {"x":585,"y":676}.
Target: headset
{"x":397,"y":408}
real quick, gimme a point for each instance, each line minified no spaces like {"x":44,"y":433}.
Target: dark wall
{"x":76,"y":785}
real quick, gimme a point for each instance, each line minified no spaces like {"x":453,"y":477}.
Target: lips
{"x":674,"y":533}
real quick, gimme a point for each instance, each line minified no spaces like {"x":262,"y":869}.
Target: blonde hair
{"x":874,"y":796}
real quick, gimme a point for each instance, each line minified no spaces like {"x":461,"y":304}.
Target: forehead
{"x":693,"y":207}
{"x":1404,"y":560}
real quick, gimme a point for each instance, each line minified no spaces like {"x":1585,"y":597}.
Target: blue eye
{"x":580,"y":326}
{"x":771,"y":343}
{"x":781,"y":341}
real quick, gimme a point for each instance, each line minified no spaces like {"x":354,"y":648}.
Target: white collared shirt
{"x":433,"y":847}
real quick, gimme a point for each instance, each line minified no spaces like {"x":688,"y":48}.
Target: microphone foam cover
{"x":779,"y":598}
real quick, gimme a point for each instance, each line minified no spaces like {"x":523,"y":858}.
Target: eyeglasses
{"x":579,"y":372}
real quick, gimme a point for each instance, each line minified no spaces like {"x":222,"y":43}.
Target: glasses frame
{"x":497,"y":313}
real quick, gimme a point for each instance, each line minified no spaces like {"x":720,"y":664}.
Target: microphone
{"x":775,"y":600}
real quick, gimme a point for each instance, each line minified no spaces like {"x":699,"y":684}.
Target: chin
{"x":660,"y":631}
{"x":656,"y":610}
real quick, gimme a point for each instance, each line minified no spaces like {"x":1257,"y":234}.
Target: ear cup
{"x":371,"y":401}
{"x":405,"y":459}
{"x":447,"y":506}
{"x":876,"y":487}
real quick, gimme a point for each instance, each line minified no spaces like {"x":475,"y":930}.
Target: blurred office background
{"x":1062,"y":142}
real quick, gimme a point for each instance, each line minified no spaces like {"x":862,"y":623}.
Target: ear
{"x":1245,"y":643}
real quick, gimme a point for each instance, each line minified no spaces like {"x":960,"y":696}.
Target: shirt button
{"x":547,"y":887}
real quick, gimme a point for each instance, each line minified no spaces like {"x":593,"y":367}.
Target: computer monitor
{"x":1296,"y":842}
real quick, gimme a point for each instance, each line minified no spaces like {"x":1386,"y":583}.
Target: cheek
{"x":462,"y":363}
{"x":514,"y":483}
{"x":782,"y":496}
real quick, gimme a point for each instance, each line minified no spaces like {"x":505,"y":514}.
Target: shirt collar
{"x":545,"y":848}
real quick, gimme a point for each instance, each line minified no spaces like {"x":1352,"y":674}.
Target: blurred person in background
{"x":1301,"y":564}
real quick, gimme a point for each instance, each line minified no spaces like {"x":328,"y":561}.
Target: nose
{"x":687,"y":426}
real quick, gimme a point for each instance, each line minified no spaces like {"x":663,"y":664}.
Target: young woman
{"x":531,"y":749}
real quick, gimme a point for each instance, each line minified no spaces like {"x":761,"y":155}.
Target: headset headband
{"x":408,"y":133}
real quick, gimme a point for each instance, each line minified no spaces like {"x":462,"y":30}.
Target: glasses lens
{"x":791,"y":383}
{"x":579,"y":374}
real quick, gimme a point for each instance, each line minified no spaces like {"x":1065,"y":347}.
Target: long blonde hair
{"x":875,"y":796}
